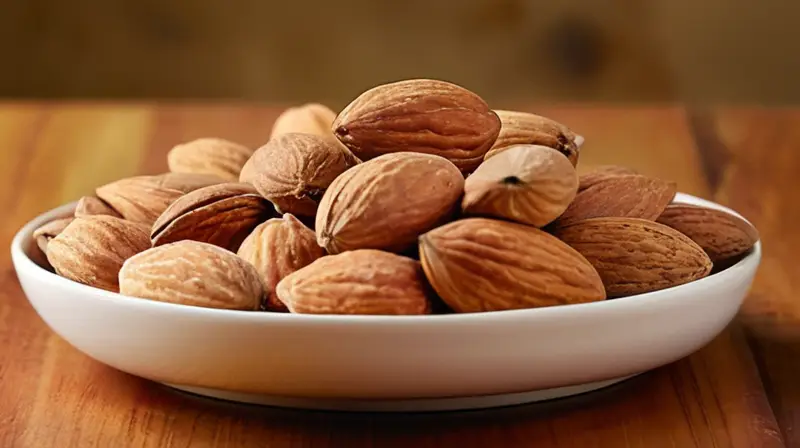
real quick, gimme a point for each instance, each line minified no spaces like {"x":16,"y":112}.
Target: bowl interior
{"x":28,"y":257}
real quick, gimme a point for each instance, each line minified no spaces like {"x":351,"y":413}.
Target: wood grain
{"x":755,"y":153}
{"x":52,"y":395}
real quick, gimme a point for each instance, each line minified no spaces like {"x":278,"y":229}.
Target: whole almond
{"x":310,"y":118}
{"x":92,"y":205}
{"x":214,"y":156}
{"x":601,"y":173}
{"x":387,"y":202}
{"x":635,"y":256}
{"x":630,"y":196}
{"x":480,"y":264}
{"x":525,"y":183}
{"x":143,"y":199}
{"x":294,"y":170}
{"x":358,"y":282}
{"x":92,"y":249}
{"x":721,"y":235}
{"x":192,"y":273}
{"x":518,"y":128}
{"x":277,"y":248}
{"x":419,"y":115}
{"x":222,"y":215}
{"x":50,"y":230}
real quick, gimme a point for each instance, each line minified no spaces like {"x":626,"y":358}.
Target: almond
{"x":142,"y":199}
{"x":358,"y":282}
{"x":519,"y":128}
{"x":630,"y":196}
{"x":294,"y":170}
{"x":92,"y":205}
{"x":387,"y":202}
{"x":192,"y":273}
{"x":635,"y":256}
{"x":479,"y":264}
{"x":222,"y":215}
{"x":721,"y":235}
{"x":310,"y":118}
{"x":419,"y":115}
{"x":92,"y":249}
{"x":602,"y":173}
{"x":277,"y":248}
{"x":525,"y":183}
{"x":50,"y":230}
{"x":214,"y":156}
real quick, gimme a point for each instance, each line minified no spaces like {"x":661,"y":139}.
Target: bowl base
{"x":403,"y":405}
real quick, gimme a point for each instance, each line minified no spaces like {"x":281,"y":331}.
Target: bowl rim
{"x":22,"y":261}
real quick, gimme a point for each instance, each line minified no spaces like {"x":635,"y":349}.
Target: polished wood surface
{"x":741,"y":390}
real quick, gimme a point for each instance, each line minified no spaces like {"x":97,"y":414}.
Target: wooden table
{"x":741,"y":390}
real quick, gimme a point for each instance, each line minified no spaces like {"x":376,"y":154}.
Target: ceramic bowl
{"x":385,"y":363}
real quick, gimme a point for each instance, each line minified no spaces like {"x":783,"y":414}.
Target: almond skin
{"x":310,"y":118}
{"x":479,"y":264}
{"x":294,"y":170}
{"x":525,"y":183}
{"x":387,"y":202}
{"x":48,"y":231}
{"x":602,"y":173}
{"x":277,"y":248}
{"x":518,"y":128}
{"x":357,"y":282}
{"x":635,"y":256}
{"x":192,"y":273}
{"x":143,"y":199}
{"x":214,"y":156}
{"x":419,"y":115}
{"x":92,"y":205}
{"x":630,"y":196}
{"x":92,"y":249}
{"x":721,"y":235}
{"x":222,"y":215}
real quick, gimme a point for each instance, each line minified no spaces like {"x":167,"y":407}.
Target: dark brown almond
{"x":222,"y":215}
{"x":721,"y":235}
{"x":635,"y":256}
{"x":630,"y":196}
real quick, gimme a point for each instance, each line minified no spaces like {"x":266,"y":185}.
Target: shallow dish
{"x":385,"y":363}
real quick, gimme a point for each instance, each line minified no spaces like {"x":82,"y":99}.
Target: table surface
{"x":741,"y":390}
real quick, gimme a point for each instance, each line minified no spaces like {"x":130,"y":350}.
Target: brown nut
{"x":277,"y":248}
{"x":192,"y":273}
{"x":419,"y":115}
{"x":519,"y":128}
{"x":387,"y":202}
{"x":294,"y":170}
{"x":480,"y":264}
{"x":358,"y":282}
{"x":92,"y":249}
{"x":213,"y":156}
{"x":222,"y":215}
{"x":525,"y":183}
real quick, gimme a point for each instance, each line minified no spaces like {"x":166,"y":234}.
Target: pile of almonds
{"x":417,"y":198}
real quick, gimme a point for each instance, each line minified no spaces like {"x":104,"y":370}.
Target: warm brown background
{"x":507,"y":50}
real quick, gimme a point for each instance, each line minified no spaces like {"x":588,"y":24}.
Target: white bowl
{"x":385,"y":363}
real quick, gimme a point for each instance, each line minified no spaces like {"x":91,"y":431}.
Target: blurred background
{"x":720,"y":51}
